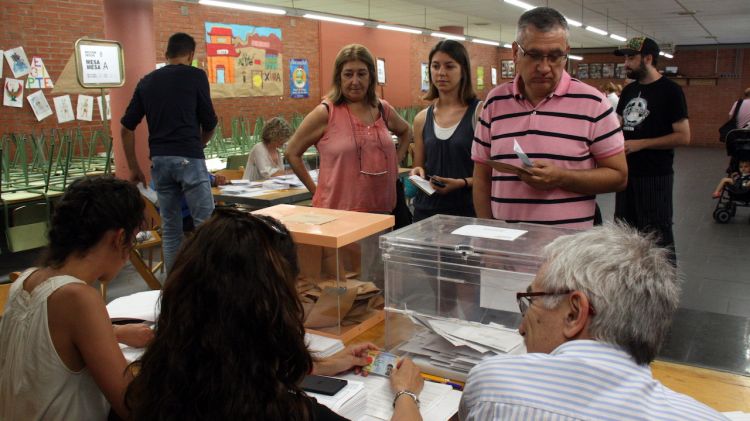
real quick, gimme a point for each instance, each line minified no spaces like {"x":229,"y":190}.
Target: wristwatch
{"x":408,"y":393}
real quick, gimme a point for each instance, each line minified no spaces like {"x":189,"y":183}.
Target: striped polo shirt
{"x":572,"y":128}
{"x":579,"y":380}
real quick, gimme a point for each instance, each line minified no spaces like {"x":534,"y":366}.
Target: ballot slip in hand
{"x":521,"y":154}
{"x":423,"y":184}
{"x":382,"y":363}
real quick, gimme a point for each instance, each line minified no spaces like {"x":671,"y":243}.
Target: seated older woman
{"x":265,"y":160}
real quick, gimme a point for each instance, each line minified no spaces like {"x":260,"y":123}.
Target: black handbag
{"x":731,"y":124}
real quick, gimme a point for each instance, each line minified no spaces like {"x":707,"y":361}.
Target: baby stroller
{"x":732,"y":196}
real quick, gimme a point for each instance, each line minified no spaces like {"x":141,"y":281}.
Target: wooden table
{"x":722,"y":391}
{"x":276,"y":197}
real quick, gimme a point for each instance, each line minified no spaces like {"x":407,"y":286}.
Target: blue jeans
{"x":175,"y":177}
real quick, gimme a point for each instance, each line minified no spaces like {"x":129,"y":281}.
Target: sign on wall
{"x":99,"y":63}
{"x":243,"y":60}
{"x":424,"y":71}
{"x":380,"y":64}
{"x":299,"y":80}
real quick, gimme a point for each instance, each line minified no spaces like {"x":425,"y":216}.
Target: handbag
{"x":731,"y":124}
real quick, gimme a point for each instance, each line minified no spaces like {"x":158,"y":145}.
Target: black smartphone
{"x":328,"y":386}
{"x":436,"y":182}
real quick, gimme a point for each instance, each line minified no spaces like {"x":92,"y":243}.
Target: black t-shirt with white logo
{"x":649,"y":111}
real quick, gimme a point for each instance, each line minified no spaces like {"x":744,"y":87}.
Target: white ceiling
{"x":664,"y":20}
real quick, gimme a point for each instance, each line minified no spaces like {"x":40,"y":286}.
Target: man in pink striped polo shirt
{"x":568,"y":130}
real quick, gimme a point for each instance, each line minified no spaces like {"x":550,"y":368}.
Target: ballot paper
{"x":521,"y":154}
{"x":138,"y":306}
{"x":321,"y":346}
{"x":350,"y":402}
{"x":486,"y":231}
{"x":422,"y":184}
{"x":498,"y":288}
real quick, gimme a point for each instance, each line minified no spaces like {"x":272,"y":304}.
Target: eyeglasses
{"x":361,"y":133}
{"x":553,"y":58}
{"x":525,"y":299}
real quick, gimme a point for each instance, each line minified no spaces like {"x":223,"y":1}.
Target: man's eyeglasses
{"x":552,"y":58}
{"x":525,"y":299}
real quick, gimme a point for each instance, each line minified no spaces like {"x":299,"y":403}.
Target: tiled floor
{"x":712,"y":327}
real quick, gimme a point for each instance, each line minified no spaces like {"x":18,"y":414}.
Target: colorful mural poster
{"x":63,"y":109}
{"x":425,"y":75}
{"x":1,"y":63}
{"x":243,"y":60}
{"x":38,"y":77}
{"x":17,"y":61}
{"x":13,"y":93}
{"x":39,"y":105}
{"x":299,"y":78}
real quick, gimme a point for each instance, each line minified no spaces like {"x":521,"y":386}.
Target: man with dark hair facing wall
{"x":181,"y":120}
{"x":653,"y":113}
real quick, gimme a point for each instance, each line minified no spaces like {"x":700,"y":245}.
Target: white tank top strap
{"x":41,"y":292}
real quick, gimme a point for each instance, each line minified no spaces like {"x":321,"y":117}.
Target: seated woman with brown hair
{"x":229,"y":342}
{"x":59,"y":358}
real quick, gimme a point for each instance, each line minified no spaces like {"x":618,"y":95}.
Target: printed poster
{"x":480,"y":77}
{"x":244,"y":60}
{"x":608,"y":70}
{"x":620,"y":71}
{"x":63,"y":109}
{"x":17,"y":61}
{"x":38,"y":77}
{"x":583,"y":71}
{"x":39,"y":105}
{"x":595,"y":71}
{"x":13,"y":93}
{"x":1,"y":63}
{"x":494,"y":75}
{"x":85,"y":108}
{"x":101,"y":111}
{"x":299,"y":80}
{"x":425,"y":72}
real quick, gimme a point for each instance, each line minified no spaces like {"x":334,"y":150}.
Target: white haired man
{"x":593,"y":319}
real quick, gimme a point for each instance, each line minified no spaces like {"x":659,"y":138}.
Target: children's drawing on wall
{"x":101,"y":111}
{"x":39,"y":105}
{"x":243,"y":60}
{"x":17,"y":61}
{"x":13,"y":93}
{"x":85,"y":108}
{"x":63,"y":109}
{"x":1,"y":63}
{"x":38,"y":77}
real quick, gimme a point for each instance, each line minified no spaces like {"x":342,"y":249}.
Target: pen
{"x":442,"y":380}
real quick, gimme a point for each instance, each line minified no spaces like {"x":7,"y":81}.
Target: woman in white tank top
{"x":59,"y":358}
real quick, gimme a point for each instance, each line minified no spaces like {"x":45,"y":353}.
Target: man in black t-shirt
{"x":176,"y":102}
{"x":653,"y":113}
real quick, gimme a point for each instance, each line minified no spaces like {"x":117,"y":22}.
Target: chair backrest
{"x":234,"y":162}
{"x":231,"y":174}
{"x":151,"y":214}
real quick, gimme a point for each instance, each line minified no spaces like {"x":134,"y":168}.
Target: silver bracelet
{"x":408,"y":393}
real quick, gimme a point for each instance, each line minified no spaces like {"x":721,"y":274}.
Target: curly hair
{"x":229,"y":341}
{"x":89,"y":207}
{"x":275,"y":129}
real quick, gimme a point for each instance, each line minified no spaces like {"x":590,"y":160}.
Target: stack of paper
{"x":439,"y":402}
{"x":737,"y":416}
{"x":321,"y":346}
{"x":350,"y":402}
{"x":138,"y":306}
{"x":459,"y":345}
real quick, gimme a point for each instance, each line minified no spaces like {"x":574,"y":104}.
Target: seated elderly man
{"x":593,"y":319}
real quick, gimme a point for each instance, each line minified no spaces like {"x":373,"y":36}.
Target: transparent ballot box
{"x":451,"y":286}
{"x":341,"y":271}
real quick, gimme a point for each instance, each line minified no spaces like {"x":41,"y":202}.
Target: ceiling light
{"x":247,"y":7}
{"x":520,"y":4}
{"x":448,"y":36}
{"x":574,"y":57}
{"x":333,"y":19}
{"x":507,"y":46}
{"x":574,"y":22}
{"x":596,"y":30}
{"x":617,"y":37}
{"x":487,"y":42}
{"x":667,"y":55}
{"x":661,"y":53}
{"x":399,"y":29}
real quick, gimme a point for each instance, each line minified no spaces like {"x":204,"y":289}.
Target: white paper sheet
{"x":498,"y":288}
{"x":64,"y":109}
{"x":484,"y":231}
{"x":521,"y":154}
{"x":39,"y":105}
{"x":422,"y":184}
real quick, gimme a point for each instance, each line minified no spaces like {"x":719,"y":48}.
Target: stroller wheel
{"x":722,"y":216}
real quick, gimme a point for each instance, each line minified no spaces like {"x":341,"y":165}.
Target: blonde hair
{"x":274,"y":129}
{"x":353,"y":52}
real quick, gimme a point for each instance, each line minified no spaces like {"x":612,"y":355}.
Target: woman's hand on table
{"x":353,"y":356}
{"x":137,"y":335}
